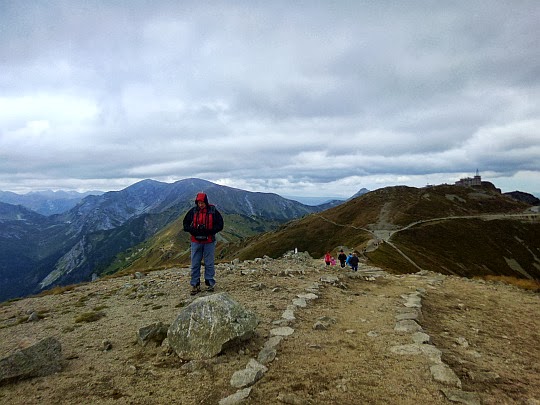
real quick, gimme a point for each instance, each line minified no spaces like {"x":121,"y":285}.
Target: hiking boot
{"x":210,"y":287}
{"x":195,"y":289}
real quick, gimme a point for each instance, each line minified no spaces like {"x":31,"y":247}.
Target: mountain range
{"x":466,"y":231}
{"x":139,"y":228}
{"x":46,"y":202}
{"x":41,"y":251}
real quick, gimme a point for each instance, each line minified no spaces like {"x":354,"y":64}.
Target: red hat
{"x":201,"y":197}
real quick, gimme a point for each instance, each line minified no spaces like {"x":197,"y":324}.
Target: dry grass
{"x":57,"y":290}
{"x":526,"y":284}
{"x":89,"y":316}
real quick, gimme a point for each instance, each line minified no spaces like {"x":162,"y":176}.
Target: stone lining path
{"x":408,"y":321}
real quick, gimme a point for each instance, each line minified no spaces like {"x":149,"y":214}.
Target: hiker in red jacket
{"x":203,"y":222}
{"x":327,"y":258}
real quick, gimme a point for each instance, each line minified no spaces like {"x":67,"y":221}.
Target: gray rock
{"x":323,"y":323}
{"x":106,"y":345}
{"x":248,"y":376}
{"x":155,"y":332}
{"x":288,"y":314}
{"x":463,"y":397}
{"x":320,"y":326}
{"x":267,"y":355}
{"x":41,"y":359}
{"x":407,"y":315}
{"x":236,"y":398}
{"x":274,"y":341}
{"x":445,"y":375}
{"x":299,"y":302}
{"x":33,"y":317}
{"x":407,"y":325}
{"x":207,"y":324}
{"x":421,"y":338}
{"x":282,"y":331}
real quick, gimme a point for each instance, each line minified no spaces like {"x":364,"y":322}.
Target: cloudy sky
{"x":303,"y":98}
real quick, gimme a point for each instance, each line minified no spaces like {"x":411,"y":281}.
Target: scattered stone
{"x":34,"y":317}
{"x":248,"y":376}
{"x":267,"y":355}
{"x":106,"y":345}
{"x":236,"y":398}
{"x":291,"y":273}
{"x":274,"y":341}
{"x":258,"y":286}
{"x":323,"y":323}
{"x":329,"y":279}
{"x":463,"y":397}
{"x":373,"y":334}
{"x":300,"y":302}
{"x":288,"y":314}
{"x":461,"y":341}
{"x":203,"y":327}
{"x":155,"y":332}
{"x":413,"y":316}
{"x":421,"y":338}
{"x":408,"y":326}
{"x":320,"y":326}
{"x":41,"y":359}
{"x":445,"y":375}
{"x":350,"y":331}
{"x":282,"y":331}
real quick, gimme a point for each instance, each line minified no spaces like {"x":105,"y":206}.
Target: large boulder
{"x":206,"y":325}
{"x":41,"y":359}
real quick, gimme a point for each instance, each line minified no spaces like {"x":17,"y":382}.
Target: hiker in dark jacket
{"x":353,"y":262}
{"x":342,"y":257}
{"x":203,"y":222}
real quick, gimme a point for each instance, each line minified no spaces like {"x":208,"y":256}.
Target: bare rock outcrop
{"x":40,"y":359}
{"x":206,"y":325}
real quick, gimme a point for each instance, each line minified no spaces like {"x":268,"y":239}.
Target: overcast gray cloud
{"x":298,"y":98}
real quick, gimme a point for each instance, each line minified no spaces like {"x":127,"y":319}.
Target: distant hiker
{"x":327,"y":258}
{"x":342,"y":257}
{"x":353,"y":261}
{"x":203,"y":222}
{"x":348,"y":261}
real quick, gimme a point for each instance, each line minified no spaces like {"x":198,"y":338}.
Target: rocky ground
{"x":353,"y":344}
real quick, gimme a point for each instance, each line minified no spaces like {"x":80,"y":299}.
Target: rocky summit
{"x":323,"y":335}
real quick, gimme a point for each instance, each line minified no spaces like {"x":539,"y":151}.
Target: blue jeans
{"x":200,"y":251}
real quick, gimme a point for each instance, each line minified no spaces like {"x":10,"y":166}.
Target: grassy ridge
{"x":466,"y":247}
{"x":475,"y":247}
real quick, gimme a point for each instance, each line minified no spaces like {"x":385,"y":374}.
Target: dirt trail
{"x":488,"y":334}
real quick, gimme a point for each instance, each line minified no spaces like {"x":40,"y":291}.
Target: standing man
{"x":342,"y":257}
{"x":203,"y":222}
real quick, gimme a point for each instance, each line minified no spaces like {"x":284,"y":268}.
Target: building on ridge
{"x":470,"y":182}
